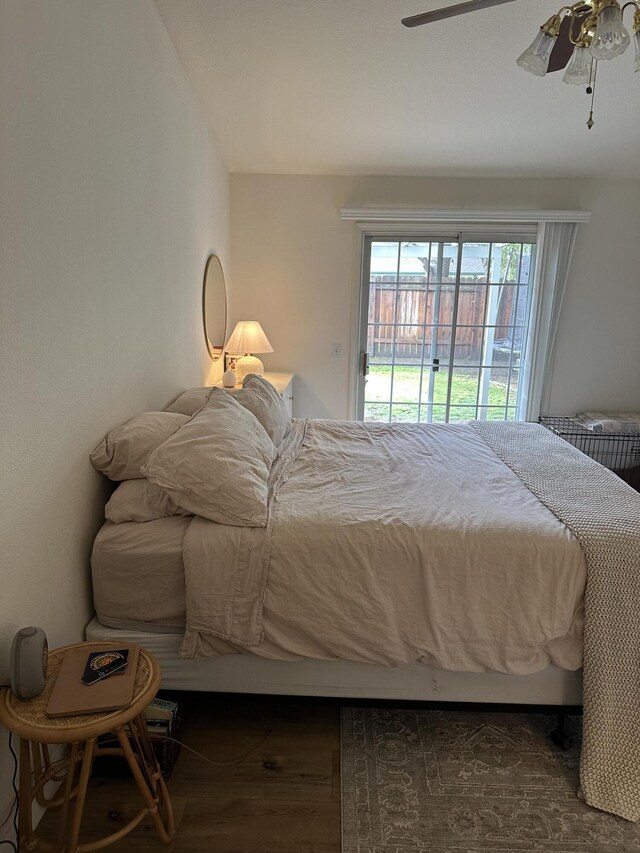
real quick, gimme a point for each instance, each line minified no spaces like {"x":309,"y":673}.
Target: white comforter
{"x":390,"y":544}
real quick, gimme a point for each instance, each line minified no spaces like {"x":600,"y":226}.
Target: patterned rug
{"x":466,"y":782}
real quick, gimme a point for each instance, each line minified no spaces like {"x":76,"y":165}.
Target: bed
{"x":399,"y":561}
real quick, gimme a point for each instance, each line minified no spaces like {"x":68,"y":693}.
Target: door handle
{"x":364,"y":363}
{"x":435,"y":366}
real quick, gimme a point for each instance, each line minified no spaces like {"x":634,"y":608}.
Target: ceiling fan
{"x":563,"y":47}
{"x":451,"y":12}
{"x":577,"y":38}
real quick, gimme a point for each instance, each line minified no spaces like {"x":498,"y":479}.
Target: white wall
{"x":113,"y":195}
{"x":295,"y":266}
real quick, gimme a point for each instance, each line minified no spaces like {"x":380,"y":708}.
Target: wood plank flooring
{"x":279,"y":796}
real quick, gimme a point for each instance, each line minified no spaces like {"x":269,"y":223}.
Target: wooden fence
{"x":411,"y":308}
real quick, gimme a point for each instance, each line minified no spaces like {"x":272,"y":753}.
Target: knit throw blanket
{"x":604,"y":515}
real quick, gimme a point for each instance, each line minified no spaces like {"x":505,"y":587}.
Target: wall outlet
{"x":336,"y":350}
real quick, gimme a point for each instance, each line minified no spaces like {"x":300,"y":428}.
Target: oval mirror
{"x":214,"y":307}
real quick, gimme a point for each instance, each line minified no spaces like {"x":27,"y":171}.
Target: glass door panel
{"x":445,"y":325}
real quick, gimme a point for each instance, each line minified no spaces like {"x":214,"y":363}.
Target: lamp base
{"x":246,"y":365}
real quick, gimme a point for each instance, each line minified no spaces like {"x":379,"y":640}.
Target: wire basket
{"x":615,"y":450}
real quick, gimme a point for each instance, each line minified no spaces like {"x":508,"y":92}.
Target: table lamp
{"x":248,"y":337}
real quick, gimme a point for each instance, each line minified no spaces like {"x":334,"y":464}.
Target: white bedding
{"x":246,"y":673}
{"x":391,"y":544}
{"x":138,"y":574}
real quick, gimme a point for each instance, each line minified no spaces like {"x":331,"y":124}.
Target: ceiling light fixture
{"x":596,"y":31}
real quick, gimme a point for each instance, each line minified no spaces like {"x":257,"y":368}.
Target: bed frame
{"x":238,"y":673}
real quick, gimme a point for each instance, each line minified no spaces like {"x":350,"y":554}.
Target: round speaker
{"x":28,"y":662}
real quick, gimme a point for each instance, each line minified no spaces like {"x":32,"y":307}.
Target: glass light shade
{"x":636,"y":39}
{"x":535,"y":59}
{"x":579,"y":68}
{"x":611,"y":37}
{"x":248,"y":337}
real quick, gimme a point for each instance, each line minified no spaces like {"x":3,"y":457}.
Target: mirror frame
{"x":214,"y":352}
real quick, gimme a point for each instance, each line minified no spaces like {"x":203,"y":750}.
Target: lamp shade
{"x":248,"y":336}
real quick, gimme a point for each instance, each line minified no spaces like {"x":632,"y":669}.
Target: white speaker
{"x":28,"y":662}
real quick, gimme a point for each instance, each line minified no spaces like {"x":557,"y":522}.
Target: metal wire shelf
{"x":615,"y":450}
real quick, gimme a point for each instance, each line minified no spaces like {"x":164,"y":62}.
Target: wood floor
{"x":282,"y":797}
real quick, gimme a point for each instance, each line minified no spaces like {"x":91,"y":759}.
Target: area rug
{"x":466,"y":782}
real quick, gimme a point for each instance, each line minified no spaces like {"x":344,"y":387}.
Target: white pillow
{"x":140,"y":500}
{"x":127,"y":447}
{"x":262,"y":400}
{"x":217,"y":465}
{"x":190,"y":401}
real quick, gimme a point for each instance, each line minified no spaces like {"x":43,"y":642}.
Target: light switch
{"x":336,"y":350}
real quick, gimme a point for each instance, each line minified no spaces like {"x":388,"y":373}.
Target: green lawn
{"x":406,"y":393}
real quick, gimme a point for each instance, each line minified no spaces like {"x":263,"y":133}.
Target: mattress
{"x":138,"y":576}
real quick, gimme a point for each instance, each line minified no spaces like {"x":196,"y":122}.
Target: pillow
{"x":217,"y":465}
{"x":127,"y":447}
{"x":190,"y":401}
{"x":140,"y":500}
{"x":262,"y":400}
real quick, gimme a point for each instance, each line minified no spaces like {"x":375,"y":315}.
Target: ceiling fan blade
{"x":451,"y":12}
{"x":564,"y":47}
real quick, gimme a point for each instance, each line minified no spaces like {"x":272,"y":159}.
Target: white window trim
{"x":461,"y":216}
{"x":552,"y":272}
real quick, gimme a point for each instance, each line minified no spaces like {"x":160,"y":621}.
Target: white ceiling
{"x":339,"y":86}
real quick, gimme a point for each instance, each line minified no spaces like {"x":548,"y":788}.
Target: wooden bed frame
{"x":238,"y":673}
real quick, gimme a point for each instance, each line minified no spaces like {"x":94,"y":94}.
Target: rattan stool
{"x":28,"y":720}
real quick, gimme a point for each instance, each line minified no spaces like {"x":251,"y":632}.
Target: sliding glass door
{"x":443,"y":328}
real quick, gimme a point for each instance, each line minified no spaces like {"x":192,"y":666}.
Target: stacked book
{"x":163,"y":722}
{"x":161,"y":716}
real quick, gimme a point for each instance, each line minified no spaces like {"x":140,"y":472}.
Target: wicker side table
{"x":28,"y":720}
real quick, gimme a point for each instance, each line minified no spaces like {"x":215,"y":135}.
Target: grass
{"x":407,"y":396}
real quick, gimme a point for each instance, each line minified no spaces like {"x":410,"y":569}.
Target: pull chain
{"x":591,"y":90}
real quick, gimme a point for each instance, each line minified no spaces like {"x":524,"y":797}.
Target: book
{"x":103,"y":664}
{"x":70,"y":697}
{"x":161,"y":729}
{"x":161,"y":709}
{"x":160,"y":722}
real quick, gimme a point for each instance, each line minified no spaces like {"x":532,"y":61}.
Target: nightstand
{"x":28,"y":719}
{"x":283,"y":383}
